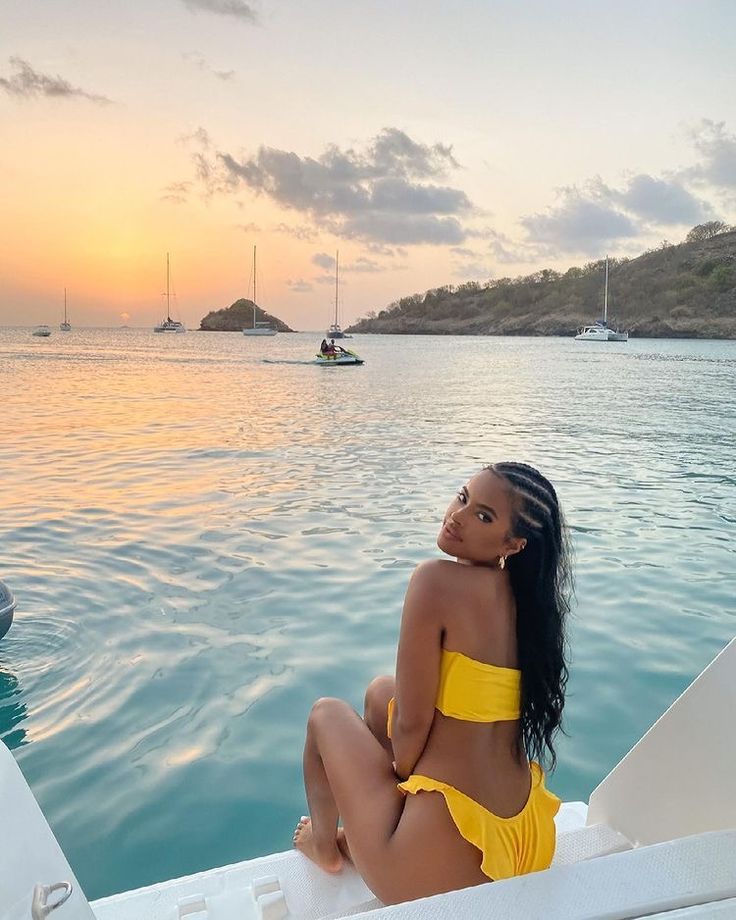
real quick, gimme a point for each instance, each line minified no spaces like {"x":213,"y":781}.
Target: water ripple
{"x":202,"y":543}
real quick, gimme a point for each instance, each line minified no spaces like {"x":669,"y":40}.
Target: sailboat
{"x":335,"y":332}
{"x":600,"y":331}
{"x":169,"y":324}
{"x":258,"y":328}
{"x":66,"y":326}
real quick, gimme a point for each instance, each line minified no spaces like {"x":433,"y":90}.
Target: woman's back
{"x":481,"y":759}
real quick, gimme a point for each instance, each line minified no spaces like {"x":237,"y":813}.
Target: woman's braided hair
{"x":541,"y":579}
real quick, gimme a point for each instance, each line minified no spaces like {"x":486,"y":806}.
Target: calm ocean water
{"x":202,"y":543}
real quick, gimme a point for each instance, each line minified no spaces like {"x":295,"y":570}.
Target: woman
{"x":447,"y":794}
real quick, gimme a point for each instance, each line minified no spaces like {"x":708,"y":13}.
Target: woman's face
{"x":477,"y":524}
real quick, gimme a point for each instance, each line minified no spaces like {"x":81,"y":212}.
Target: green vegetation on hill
{"x":238,"y":316}
{"x":686,"y":291}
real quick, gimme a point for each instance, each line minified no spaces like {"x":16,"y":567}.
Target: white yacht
{"x":657,"y":840}
{"x":169,"y":324}
{"x":600,"y":331}
{"x":42,"y":331}
{"x":258,"y":327}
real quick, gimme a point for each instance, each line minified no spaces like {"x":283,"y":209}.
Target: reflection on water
{"x":201,"y":543}
{"x":12,"y":710}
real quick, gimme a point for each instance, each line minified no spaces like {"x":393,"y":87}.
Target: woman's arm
{"x":418,"y":665}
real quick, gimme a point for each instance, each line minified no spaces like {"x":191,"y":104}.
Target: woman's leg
{"x":401,"y":853}
{"x":375,"y":709}
{"x":317,"y":837}
{"x":358,"y":750}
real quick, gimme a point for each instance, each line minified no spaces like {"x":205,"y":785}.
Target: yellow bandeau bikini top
{"x":477,"y":692}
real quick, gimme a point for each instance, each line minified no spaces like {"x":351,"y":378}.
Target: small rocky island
{"x":239,"y":316}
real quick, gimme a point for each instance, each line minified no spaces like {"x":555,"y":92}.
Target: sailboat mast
{"x":254,"y":287}
{"x":64,"y":304}
{"x":168,"y":295}
{"x":605,"y":296}
{"x":337,"y":275}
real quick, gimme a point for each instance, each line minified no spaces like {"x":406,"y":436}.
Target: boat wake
{"x":286,"y":361}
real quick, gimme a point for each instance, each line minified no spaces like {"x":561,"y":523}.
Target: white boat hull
{"x":260,"y":331}
{"x":601,"y":334}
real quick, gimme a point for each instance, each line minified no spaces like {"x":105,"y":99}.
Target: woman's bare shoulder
{"x":445,"y":579}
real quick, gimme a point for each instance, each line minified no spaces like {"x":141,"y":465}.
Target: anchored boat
{"x":258,"y":327}
{"x":600,"y":331}
{"x":65,"y":325}
{"x":658,"y":838}
{"x":169,"y":324}
{"x":335,"y":332}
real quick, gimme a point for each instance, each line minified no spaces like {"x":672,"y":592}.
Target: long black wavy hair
{"x":541,"y":579}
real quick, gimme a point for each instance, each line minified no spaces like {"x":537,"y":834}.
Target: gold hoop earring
{"x":502,"y":562}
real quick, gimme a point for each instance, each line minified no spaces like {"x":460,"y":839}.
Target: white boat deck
{"x":698,"y":870}
{"x":658,"y":839}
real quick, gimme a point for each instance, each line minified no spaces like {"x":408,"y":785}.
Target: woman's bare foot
{"x":326,"y":855}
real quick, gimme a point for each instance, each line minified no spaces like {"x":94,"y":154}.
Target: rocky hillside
{"x":686,"y":290}
{"x":237,"y":316}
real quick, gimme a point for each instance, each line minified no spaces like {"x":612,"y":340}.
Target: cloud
{"x":362,"y":264}
{"x":236,"y":8}
{"x":380,"y":249}
{"x":249,"y":228}
{"x":661,"y":201}
{"x":208,"y":179}
{"x":299,"y":232}
{"x":595,"y":216}
{"x":323,"y":260}
{"x":299,"y":286}
{"x":578,"y":224}
{"x":177,"y":192}
{"x":472,"y":271}
{"x":388,"y":193}
{"x":394,"y":152}
{"x":26,"y":83}
{"x":200,"y":137}
{"x":506,"y":251}
{"x":193,"y":57}
{"x":718,"y":151}
{"x":326,"y":262}
{"x":403,"y":229}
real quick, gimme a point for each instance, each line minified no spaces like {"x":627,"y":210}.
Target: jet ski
{"x":340,"y":357}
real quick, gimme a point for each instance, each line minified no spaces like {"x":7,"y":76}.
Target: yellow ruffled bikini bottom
{"x":510,"y":846}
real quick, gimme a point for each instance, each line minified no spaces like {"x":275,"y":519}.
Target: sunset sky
{"x":430,"y":142}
